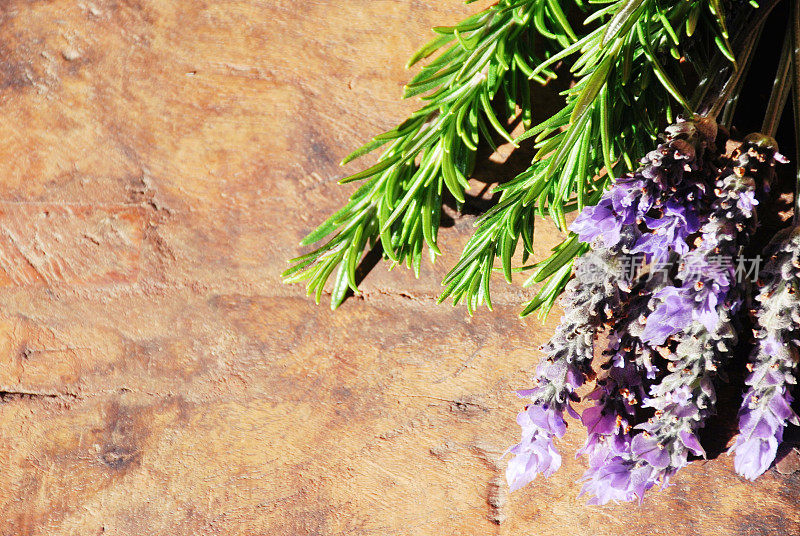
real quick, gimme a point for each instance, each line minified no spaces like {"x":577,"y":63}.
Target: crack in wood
{"x":10,"y":395}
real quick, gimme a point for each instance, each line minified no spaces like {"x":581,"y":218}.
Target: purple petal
{"x":691,"y":442}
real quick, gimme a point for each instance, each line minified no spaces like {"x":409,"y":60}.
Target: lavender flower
{"x":535,"y":453}
{"x":686,"y":396}
{"x":767,"y":404}
{"x":615,"y":477}
{"x":569,"y":355}
{"x":602,"y":282}
{"x":679,"y":219}
{"x":613,"y":474}
{"x":656,"y":197}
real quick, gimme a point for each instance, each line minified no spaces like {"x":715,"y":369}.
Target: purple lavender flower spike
{"x":766,"y":408}
{"x":708,"y":273}
{"x":589,"y":297}
{"x":658,"y":186}
{"x":613,"y":474}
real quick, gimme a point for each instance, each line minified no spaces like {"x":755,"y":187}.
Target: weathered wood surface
{"x":159,"y":161}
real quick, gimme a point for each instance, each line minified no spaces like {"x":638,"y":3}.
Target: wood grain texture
{"x":159,"y":163}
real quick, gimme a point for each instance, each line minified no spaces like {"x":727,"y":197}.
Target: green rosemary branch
{"x":628,"y":71}
{"x":781,"y":87}
{"x":487,"y":57}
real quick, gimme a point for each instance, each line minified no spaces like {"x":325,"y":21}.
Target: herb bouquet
{"x":660,"y":265}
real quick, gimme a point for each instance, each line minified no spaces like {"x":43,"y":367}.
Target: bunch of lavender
{"x":647,"y":215}
{"x":700,"y":314}
{"x":692,"y":325}
{"x":683,"y":319}
{"x":767,"y":403}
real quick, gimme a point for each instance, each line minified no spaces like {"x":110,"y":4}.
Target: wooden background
{"x":159,"y":162}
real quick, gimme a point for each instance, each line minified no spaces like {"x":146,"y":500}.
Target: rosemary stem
{"x":729,"y":108}
{"x":780,"y":87}
{"x":718,"y":67}
{"x":744,"y":48}
{"x":726,"y":117}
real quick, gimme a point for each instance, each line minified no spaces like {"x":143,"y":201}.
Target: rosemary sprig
{"x":486,"y":58}
{"x":628,"y":71}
